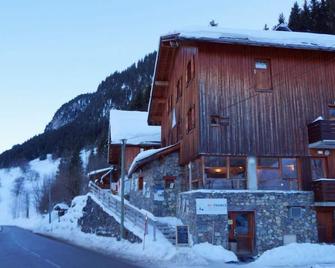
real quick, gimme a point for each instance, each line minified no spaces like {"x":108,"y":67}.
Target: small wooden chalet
{"x":253,"y":115}
{"x":131,"y":126}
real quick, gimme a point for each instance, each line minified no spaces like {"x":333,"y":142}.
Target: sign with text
{"x":182,"y":235}
{"x":211,"y":206}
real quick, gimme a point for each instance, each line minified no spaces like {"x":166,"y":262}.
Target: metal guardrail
{"x":137,"y":217}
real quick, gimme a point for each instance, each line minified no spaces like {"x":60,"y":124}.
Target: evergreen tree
{"x":294,"y":20}
{"x":317,"y":16}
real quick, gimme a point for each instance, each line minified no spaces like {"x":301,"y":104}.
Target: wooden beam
{"x":162,"y":83}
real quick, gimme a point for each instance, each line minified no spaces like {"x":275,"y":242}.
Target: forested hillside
{"x":83,"y":121}
{"x":316,"y":16}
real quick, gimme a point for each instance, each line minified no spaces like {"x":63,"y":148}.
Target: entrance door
{"x":326,"y":225}
{"x":242,"y":231}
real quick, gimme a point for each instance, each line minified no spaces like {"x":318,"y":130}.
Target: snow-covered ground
{"x":155,"y":254}
{"x":20,"y":186}
{"x":163,"y":254}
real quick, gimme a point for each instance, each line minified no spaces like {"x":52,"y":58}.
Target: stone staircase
{"x":168,"y":231}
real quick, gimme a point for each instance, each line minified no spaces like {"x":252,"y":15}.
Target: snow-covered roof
{"x":147,"y":155}
{"x":286,"y":39}
{"x":94,"y":172}
{"x":133,"y":126}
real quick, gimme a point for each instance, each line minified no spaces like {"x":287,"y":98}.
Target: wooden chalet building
{"x":249,"y":116}
{"x":139,"y":136}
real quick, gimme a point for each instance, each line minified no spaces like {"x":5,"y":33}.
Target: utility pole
{"x":123,"y":149}
{"x":49,"y":199}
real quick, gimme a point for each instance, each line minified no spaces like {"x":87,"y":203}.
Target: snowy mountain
{"x":69,"y":111}
{"x":83,"y":121}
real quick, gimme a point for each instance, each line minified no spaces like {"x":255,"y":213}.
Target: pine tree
{"x":305,"y":18}
{"x":281,"y":19}
{"x":295,"y":18}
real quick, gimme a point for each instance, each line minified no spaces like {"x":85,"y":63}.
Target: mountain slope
{"x":83,"y":121}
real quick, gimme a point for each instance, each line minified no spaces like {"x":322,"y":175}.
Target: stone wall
{"x":271,"y":213}
{"x":155,"y":197}
{"x":96,"y":220}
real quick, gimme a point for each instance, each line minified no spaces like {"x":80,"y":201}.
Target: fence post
{"x":154,"y":230}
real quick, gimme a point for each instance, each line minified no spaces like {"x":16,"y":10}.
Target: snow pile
{"x":214,"y":253}
{"x":133,"y":126}
{"x":160,"y":251}
{"x":297,"y":254}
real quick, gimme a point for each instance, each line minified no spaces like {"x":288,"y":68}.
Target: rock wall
{"x":155,"y":196}
{"x":272,"y":214}
{"x":95,"y":220}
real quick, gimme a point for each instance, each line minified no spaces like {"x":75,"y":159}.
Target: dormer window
{"x":262,"y":71}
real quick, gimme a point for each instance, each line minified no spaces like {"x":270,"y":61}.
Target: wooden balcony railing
{"x":324,"y":190}
{"x":321,"y":130}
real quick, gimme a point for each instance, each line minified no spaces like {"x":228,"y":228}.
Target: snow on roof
{"x":133,"y":126}
{"x":286,"y":39}
{"x":143,"y":155}
{"x":146,"y":155}
{"x":93,"y":172}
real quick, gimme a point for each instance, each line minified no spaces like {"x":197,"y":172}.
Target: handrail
{"x":132,"y":214}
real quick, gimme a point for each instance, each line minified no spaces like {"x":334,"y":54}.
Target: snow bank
{"x":160,"y":252}
{"x":214,"y":253}
{"x":297,"y":254}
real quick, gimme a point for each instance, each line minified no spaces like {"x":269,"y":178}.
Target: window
{"x":179,"y":89}
{"x":237,"y":168}
{"x":140,"y":183}
{"x":295,"y":212}
{"x":268,"y":173}
{"x":226,"y":172}
{"x":277,"y":173}
{"x":267,"y":162}
{"x":263,"y":79}
{"x":289,"y":168}
{"x":190,"y":70}
{"x":331,"y":110}
{"x":318,"y":167}
{"x":173,"y":118}
{"x":190,"y":119}
{"x":169,"y":182}
{"x":169,"y":104}
{"x":217,"y":120}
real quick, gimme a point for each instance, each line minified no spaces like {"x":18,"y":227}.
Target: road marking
{"x":52,"y":263}
{"x":38,"y":255}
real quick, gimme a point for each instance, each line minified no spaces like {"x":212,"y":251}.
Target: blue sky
{"x":52,"y":51}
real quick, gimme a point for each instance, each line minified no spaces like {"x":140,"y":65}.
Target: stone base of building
{"x":254,"y":221}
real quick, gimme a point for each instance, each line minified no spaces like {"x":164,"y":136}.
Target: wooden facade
{"x":270,"y":122}
{"x":114,"y":154}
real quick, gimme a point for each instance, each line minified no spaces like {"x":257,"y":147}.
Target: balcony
{"x":324,"y":190}
{"x":321,"y":134}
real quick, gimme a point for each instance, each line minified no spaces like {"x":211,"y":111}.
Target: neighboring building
{"x":131,"y":126}
{"x":238,"y":109}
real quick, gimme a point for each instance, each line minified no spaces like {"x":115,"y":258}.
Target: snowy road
{"x":21,"y":248}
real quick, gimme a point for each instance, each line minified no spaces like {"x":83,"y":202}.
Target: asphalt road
{"x":22,"y":248}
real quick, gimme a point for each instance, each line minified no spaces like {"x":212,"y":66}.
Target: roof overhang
{"x":160,"y":153}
